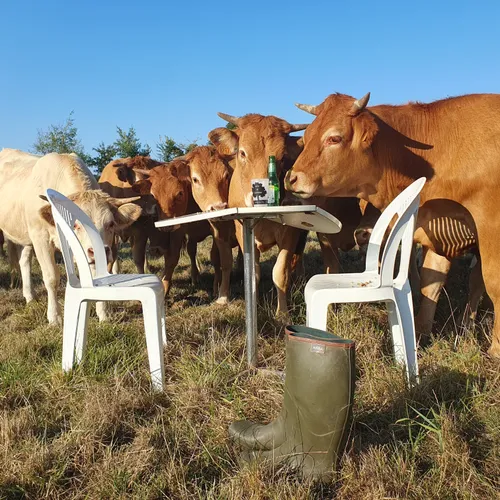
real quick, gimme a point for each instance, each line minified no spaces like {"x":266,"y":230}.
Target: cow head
{"x":132,"y":170}
{"x":255,"y":139}
{"x":169,"y":187}
{"x":108,"y":214}
{"x":209,"y":174}
{"x":337,"y":159}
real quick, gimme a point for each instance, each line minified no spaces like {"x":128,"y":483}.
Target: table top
{"x":308,"y":217}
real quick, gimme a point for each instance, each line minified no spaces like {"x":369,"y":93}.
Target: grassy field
{"x":101,"y":433}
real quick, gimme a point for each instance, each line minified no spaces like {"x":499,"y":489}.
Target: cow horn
{"x":229,"y":118}
{"x":359,"y":105}
{"x":308,"y":108}
{"x":118,"y":202}
{"x":142,"y":171}
{"x":297,"y":127}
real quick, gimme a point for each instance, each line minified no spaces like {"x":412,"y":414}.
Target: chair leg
{"x":316,"y":314}
{"x":70,"y":332}
{"x":81,"y":332}
{"x":162,"y":320}
{"x":152,"y":311}
{"x":404,"y":342}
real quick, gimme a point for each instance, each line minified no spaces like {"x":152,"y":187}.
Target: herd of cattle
{"x":352,"y":161}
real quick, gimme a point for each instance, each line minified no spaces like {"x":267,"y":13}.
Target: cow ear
{"x":225,"y":141}
{"x":142,"y":187}
{"x":46,"y":214}
{"x":365,"y":130}
{"x":182,"y":171}
{"x":126,"y":215}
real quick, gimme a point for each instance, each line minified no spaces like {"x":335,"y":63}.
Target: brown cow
{"x":199,"y":181}
{"x":374,"y":153}
{"x":117,"y":179}
{"x":255,"y":139}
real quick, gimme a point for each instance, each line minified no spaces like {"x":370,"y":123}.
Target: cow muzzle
{"x":217,"y":206}
{"x":295,"y":182}
{"x":362,"y":236}
{"x":91,"y":255}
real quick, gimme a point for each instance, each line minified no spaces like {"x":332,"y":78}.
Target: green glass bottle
{"x":274,"y":185}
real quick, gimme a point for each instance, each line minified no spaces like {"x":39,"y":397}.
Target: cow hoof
{"x":222,"y":301}
{"x":56,"y":321}
{"x":283,"y":316}
{"x":494,"y":352}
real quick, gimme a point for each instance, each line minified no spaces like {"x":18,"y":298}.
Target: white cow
{"x":26,"y":219}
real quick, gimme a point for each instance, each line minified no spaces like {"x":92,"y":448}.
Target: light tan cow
{"x":26,"y":219}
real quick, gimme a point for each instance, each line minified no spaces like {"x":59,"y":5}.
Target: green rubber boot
{"x":309,"y":434}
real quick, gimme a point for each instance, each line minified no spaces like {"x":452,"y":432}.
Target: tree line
{"x":63,"y":138}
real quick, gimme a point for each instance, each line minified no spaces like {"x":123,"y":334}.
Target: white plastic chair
{"x":377,"y":283}
{"x":84,"y":288}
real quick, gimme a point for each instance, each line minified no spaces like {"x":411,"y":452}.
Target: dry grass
{"x":101,"y":433}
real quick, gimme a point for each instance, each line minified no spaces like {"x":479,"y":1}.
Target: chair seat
{"x":351,"y":280}
{"x":128,"y":280}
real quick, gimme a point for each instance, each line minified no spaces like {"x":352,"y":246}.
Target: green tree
{"x":60,"y":139}
{"x":105,"y":154}
{"x":128,"y":144}
{"x":167,"y":149}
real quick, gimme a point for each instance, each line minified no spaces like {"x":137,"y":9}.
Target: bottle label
{"x":270,"y":196}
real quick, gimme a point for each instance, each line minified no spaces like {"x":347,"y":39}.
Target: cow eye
{"x":180,"y":195}
{"x":332,"y":140}
{"x":109,"y":225}
{"x":243,"y":155}
{"x":196,"y":180}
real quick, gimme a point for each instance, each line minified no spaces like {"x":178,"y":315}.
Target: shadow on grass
{"x":441,"y":389}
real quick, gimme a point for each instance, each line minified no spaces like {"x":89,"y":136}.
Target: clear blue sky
{"x":166,"y":67}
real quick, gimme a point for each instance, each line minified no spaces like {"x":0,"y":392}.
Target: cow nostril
{"x":291,"y":178}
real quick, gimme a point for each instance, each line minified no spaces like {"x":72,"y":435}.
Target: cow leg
{"x":45,"y":254}
{"x":239,"y":260}
{"x":139,"y":251}
{"x":114,"y":266}
{"x":14,"y":255}
{"x":283,"y":267}
{"x":222,"y":238}
{"x":215,"y":259}
{"x":476,"y":291}
{"x":2,"y":241}
{"x":432,"y":279}
{"x":192,"y":248}
{"x":414,"y":273}
{"x":330,"y":253}
{"x":172,"y":258}
{"x":25,"y":260}
{"x":281,"y":278}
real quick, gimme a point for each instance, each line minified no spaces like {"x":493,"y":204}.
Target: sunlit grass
{"x":100,"y":432}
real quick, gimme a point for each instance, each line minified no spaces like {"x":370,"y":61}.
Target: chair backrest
{"x":405,"y":207}
{"x":65,"y":214}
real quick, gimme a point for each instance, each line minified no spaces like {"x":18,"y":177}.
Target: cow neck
{"x":400,"y":151}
